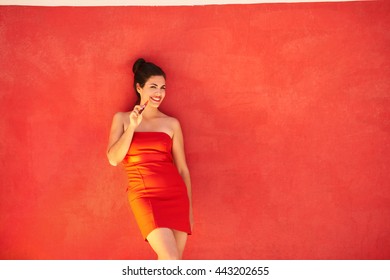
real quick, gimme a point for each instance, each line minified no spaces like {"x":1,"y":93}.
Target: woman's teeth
{"x":156,"y":99}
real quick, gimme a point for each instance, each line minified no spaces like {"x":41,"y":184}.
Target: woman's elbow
{"x":111,"y":160}
{"x":113,"y":163}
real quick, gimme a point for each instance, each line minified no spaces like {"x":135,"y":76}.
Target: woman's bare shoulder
{"x":121,"y":117}
{"x":171,"y":122}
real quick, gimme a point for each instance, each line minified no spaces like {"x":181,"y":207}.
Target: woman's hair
{"x":142,"y":72}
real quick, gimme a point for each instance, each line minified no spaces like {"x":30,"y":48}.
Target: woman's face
{"x":153,"y":90}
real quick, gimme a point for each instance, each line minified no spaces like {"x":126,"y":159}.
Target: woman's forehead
{"x":156,"y":80}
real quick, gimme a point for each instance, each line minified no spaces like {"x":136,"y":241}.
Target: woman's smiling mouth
{"x":155,"y":98}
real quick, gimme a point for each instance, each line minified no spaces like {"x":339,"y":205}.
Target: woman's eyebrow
{"x":153,"y":84}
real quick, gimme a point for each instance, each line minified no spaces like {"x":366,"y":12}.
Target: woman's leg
{"x":181,"y":239}
{"x":163,"y":242}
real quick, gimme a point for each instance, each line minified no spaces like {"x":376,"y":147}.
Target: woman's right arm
{"x":120,"y":137}
{"x":119,"y":140}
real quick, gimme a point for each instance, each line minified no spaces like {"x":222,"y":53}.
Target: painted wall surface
{"x":285,"y":110}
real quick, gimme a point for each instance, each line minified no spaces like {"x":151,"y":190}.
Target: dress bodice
{"x":149,"y":147}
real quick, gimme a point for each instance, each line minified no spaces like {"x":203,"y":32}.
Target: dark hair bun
{"x":138,"y":64}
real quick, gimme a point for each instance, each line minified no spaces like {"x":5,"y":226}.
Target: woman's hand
{"x":135,"y":116}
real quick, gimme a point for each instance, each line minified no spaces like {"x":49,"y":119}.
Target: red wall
{"x":285,"y":110}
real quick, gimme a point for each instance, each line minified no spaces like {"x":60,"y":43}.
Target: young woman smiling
{"x":150,"y":145}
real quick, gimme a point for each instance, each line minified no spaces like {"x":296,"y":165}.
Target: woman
{"x":150,"y":145}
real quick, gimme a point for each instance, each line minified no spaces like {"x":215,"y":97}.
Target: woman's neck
{"x":150,"y":112}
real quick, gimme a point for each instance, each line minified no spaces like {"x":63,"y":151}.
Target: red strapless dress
{"x":157,"y":193}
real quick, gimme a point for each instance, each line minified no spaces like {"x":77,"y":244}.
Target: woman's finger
{"x":143,"y":106}
{"x":137,"y":109}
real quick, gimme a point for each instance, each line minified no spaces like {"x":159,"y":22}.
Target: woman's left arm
{"x":180,"y":161}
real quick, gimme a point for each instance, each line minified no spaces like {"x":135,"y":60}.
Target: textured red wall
{"x":285,"y":110}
